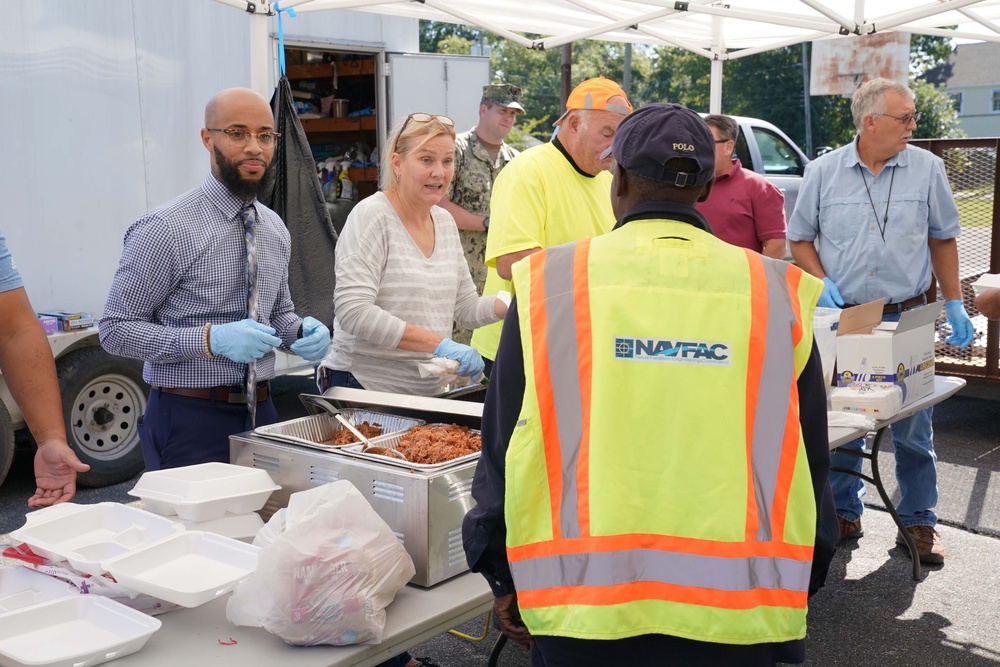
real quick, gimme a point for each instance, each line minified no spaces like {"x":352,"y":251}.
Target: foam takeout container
{"x":22,"y":587}
{"x":242,"y":527}
{"x":985,"y":282}
{"x":72,"y":631}
{"x":94,"y":533}
{"x":188,"y":568}
{"x":204,"y":491}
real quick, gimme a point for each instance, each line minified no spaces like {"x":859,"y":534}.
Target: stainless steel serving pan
{"x":393,"y":439}
{"x":316,"y":431}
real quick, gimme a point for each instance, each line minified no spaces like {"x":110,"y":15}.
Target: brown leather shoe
{"x":929,"y":547}
{"x":849,"y":530}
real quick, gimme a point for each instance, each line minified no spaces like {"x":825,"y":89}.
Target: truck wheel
{"x":103,"y":397}
{"x":6,"y":442}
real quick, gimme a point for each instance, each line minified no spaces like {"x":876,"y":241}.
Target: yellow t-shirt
{"x":539,"y":200}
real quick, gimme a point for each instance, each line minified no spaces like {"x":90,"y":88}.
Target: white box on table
{"x":901,"y":354}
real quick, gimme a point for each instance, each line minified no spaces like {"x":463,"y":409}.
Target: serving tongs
{"x":369,"y":448}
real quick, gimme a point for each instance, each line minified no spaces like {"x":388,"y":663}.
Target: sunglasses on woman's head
{"x":420,"y":117}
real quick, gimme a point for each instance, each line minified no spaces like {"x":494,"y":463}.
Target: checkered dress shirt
{"x":184,"y":264}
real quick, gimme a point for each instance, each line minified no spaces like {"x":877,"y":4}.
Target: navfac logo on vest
{"x":673,"y":351}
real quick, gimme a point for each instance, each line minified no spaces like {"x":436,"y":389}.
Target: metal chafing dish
{"x":317,"y":431}
{"x":424,"y":505}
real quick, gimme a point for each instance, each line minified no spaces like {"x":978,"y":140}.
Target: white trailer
{"x":102,"y":104}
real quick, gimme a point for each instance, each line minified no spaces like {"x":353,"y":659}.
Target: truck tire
{"x":6,"y":442}
{"x":103,"y":398}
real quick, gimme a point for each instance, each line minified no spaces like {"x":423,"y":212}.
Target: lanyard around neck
{"x":888,"y":199}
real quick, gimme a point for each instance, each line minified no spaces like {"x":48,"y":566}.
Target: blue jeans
{"x":331,"y":378}
{"x":916,"y":470}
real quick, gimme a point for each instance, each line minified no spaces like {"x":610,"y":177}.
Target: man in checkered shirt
{"x":179,"y":299}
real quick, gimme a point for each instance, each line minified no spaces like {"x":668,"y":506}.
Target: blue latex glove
{"x":830,"y":298}
{"x":962,"y":330}
{"x":243,"y":341}
{"x":315,"y":340}
{"x":470,"y":362}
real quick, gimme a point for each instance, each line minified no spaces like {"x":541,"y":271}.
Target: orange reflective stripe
{"x":543,"y":386}
{"x":641,"y":590}
{"x":688,"y":545}
{"x":794,"y":278}
{"x":755,"y":365}
{"x":786,"y":466}
{"x":584,"y":335}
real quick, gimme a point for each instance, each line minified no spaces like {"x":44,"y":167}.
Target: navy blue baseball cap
{"x":648,"y":137}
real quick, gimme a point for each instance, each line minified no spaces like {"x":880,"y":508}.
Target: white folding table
{"x":203,"y":636}
{"x":944,"y":387}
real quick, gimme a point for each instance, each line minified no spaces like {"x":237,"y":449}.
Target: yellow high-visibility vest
{"x":657,"y":481}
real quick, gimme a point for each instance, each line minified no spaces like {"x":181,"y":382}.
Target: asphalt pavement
{"x":871,"y":612}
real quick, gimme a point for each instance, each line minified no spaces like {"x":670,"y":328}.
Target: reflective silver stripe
{"x":773,"y":395}
{"x":650,"y":565}
{"x":564,"y":371}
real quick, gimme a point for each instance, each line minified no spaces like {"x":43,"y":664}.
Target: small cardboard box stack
{"x":70,"y":321}
{"x":888,"y":353}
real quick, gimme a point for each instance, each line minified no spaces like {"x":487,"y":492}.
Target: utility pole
{"x":567,"y":75}
{"x":627,"y":74}
{"x":806,"y":98}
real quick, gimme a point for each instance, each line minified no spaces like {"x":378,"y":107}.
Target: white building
{"x":972,"y":78}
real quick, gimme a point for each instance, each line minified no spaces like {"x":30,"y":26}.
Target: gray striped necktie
{"x":249,"y":218}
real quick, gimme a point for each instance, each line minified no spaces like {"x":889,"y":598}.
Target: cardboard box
{"x":70,"y":321}
{"x":49,"y":324}
{"x":890,"y":353}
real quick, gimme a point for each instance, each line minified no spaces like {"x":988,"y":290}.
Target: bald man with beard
{"x":181,"y":299}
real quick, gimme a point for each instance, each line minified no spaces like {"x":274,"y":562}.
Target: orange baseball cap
{"x":594,"y":94}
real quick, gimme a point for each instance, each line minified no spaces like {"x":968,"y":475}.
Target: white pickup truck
{"x":763,"y":148}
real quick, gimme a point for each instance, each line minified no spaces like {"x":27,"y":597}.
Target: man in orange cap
{"x":554,"y":193}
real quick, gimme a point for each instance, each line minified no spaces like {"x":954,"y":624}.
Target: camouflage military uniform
{"x":471,"y":188}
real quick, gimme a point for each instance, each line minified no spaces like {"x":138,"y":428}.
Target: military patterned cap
{"x":504,"y":94}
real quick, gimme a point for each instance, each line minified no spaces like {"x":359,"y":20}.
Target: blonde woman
{"x":402,"y":278}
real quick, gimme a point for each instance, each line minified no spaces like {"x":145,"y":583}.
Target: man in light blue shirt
{"x":30,"y":374}
{"x":885,"y":218}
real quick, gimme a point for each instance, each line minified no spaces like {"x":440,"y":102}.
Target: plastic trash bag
{"x":328,"y":567}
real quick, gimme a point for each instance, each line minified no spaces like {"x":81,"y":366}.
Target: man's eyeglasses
{"x":421,"y":118}
{"x":905,"y":120}
{"x":242,"y":137}
{"x":722,"y":141}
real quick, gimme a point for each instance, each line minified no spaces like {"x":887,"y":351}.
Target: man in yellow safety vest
{"x":653,"y":481}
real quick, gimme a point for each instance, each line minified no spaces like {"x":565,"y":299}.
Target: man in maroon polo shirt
{"x":743,"y":209}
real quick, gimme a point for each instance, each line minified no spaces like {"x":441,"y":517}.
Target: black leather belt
{"x":901,"y":306}
{"x":229,"y":394}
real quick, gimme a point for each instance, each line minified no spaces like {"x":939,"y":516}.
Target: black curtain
{"x":296,"y":196}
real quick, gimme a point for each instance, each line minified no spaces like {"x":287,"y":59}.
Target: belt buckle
{"x":237,"y":395}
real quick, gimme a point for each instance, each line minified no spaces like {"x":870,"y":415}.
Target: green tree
{"x":766,"y":85}
{"x":455,"y":44}
{"x":938,"y":116}
{"x":434,"y":32}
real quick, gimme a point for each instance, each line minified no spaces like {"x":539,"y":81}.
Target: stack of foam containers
{"x":825,"y":321}
{"x":219,"y":498}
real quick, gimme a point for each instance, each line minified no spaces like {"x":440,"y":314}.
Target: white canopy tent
{"x":719,"y":30}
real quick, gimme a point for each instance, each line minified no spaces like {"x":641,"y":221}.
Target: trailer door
{"x":438,"y":84}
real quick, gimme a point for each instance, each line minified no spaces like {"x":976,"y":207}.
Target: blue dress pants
{"x":180,"y":431}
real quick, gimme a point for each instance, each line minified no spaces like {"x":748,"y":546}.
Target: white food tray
{"x":204,"y":491}
{"x":188,"y":569}
{"x":94,"y":533}
{"x":81,"y":630}
{"x":22,"y":587}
